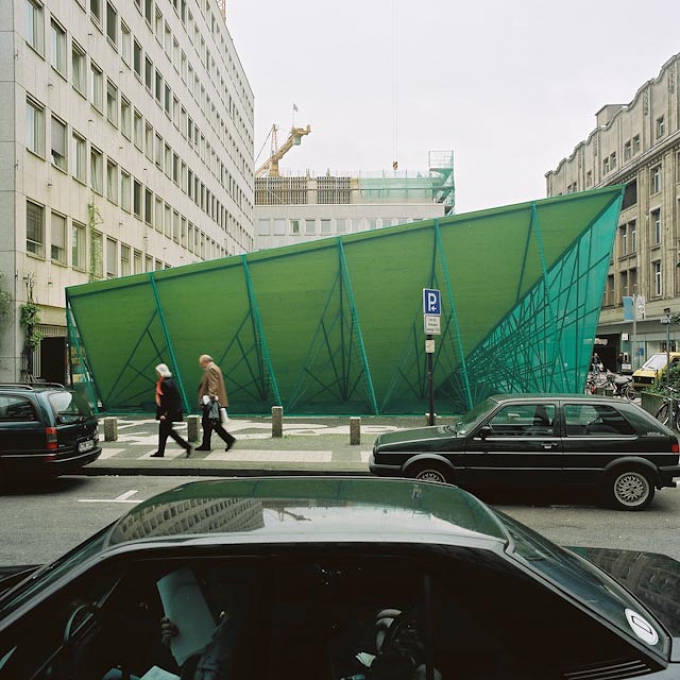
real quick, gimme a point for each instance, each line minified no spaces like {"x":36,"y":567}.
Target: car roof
{"x":311,"y":509}
{"x":559,"y":396}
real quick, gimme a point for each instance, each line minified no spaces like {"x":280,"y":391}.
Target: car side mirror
{"x":485,"y":431}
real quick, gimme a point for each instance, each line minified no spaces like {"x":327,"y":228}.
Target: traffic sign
{"x":432,"y":301}
{"x":432,"y":324}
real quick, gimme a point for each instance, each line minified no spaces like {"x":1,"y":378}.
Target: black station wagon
{"x":332,"y":579}
{"x":511,"y":441}
{"x":45,"y":430}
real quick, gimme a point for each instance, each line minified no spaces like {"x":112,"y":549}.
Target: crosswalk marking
{"x":272,"y":456}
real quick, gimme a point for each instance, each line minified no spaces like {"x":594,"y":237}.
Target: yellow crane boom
{"x":270,"y":167}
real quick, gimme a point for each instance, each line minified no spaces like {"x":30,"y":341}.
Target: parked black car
{"x":45,"y":430}
{"x":511,"y":441}
{"x":334,"y":578}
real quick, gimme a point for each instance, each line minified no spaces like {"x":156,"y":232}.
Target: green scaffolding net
{"x":335,"y":326}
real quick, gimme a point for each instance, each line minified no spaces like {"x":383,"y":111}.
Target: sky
{"x":510,"y":86}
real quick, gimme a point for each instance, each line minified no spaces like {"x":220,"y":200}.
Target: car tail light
{"x":51,"y":435}
{"x":675,"y":448}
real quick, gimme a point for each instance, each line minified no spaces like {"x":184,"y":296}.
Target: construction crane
{"x":270,"y":167}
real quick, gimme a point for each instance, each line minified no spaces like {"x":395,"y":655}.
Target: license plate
{"x":86,"y":446}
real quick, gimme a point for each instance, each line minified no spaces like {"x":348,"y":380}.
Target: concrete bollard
{"x":277,"y":421}
{"x":355,"y":430}
{"x":110,"y":429}
{"x":193,"y":428}
{"x":427,"y":419}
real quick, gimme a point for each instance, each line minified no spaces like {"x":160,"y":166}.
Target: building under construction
{"x":292,"y":209}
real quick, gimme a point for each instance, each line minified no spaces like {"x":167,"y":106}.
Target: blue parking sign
{"x":432,"y":301}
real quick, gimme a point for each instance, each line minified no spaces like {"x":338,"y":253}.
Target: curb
{"x":191,"y":469}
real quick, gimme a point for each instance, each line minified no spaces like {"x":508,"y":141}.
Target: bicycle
{"x":669,"y":413}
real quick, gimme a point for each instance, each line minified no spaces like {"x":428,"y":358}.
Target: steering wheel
{"x":400,"y":623}
{"x":78,"y":615}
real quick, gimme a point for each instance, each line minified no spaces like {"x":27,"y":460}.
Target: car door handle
{"x":549,"y":445}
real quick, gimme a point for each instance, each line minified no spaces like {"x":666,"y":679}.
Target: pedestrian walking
{"x":168,"y":411}
{"x":212,"y":396}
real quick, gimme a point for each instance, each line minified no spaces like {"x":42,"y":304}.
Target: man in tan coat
{"x":212,"y":387}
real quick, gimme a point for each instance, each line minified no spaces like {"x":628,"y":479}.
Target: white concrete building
{"x":636,"y":145}
{"x":126,"y":147}
{"x":293,"y":209}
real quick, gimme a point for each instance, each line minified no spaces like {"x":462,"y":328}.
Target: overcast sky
{"x":510,"y":86}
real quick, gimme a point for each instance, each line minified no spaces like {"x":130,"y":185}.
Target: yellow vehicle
{"x":653,"y":369}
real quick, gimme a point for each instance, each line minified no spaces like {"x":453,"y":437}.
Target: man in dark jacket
{"x":168,"y":411}
{"x":211,"y":392}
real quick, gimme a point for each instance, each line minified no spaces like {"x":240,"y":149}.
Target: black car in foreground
{"x":45,"y":430}
{"x":332,"y":578}
{"x":541,"y":440}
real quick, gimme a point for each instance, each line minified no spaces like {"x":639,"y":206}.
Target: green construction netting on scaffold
{"x":335,"y":326}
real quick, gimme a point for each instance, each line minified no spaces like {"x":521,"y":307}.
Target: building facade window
{"x":623,"y":232}
{"x":137,"y":199}
{"x":148,"y":207}
{"x":78,"y":255}
{"x":139,"y":130}
{"x":125,"y":190}
{"x":58,"y":144}
{"x":124,"y":260}
{"x":627,"y":151}
{"x":125,"y":42}
{"x":125,"y":117}
{"x":96,"y":87}
{"x":656,"y":273}
{"x":112,"y":25}
{"x":78,"y":164}
{"x":58,"y":238}
{"x":656,"y":184}
{"x":35,"y":26}
{"x":656,"y":226}
{"x":58,"y":47}
{"x":660,"y":127}
{"x":96,"y":170}
{"x":137,"y":59}
{"x":632,"y":236}
{"x":35,"y":229}
{"x":35,"y":127}
{"x":111,"y":103}
{"x":263,"y":227}
{"x":78,"y":69}
{"x":636,"y":144}
{"x":295,"y":227}
{"x":112,"y":181}
{"x":111,"y":258}
{"x":310,"y":226}
{"x":96,"y":11}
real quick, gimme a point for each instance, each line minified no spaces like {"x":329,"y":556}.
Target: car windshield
{"x":467,"y":421}
{"x":69,"y":407}
{"x":654,"y":363}
{"x":582,"y":580}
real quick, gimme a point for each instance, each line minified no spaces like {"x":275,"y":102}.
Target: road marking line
{"x":105,"y":500}
{"x":126,"y":495}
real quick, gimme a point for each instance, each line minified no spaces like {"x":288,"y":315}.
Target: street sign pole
{"x":432,"y":318}
{"x":430,"y":385}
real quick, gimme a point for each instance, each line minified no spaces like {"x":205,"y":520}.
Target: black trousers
{"x":165,"y":430}
{"x":209,"y":426}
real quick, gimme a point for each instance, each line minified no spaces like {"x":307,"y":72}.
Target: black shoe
{"x":202,"y":448}
{"x":157,"y":455}
{"x":230,"y":443}
{"x":190,"y":450}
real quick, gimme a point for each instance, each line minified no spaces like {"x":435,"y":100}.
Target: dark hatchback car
{"x":330,"y":578}
{"x":515,"y":441}
{"x":45,"y":430}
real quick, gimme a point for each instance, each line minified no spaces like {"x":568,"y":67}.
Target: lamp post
{"x":666,"y":319}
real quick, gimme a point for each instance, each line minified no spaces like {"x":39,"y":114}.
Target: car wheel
{"x":430,"y":472}
{"x":631,"y":489}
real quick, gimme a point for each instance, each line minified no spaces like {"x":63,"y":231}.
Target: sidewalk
{"x":308,"y":445}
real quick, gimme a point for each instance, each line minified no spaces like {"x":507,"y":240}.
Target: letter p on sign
{"x":432,"y":301}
